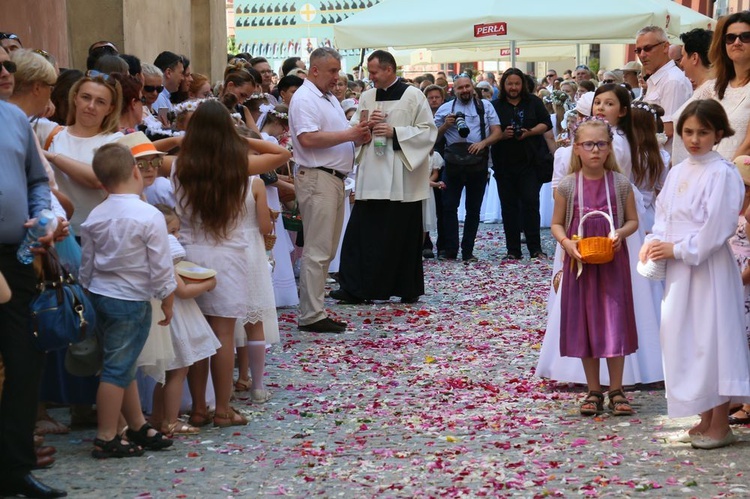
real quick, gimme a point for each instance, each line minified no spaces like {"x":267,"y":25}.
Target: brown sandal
{"x":230,"y":418}
{"x":618,"y":403}
{"x":179,"y":428}
{"x":242,"y":385}
{"x":593,"y":404}
{"x":47,"y":425}
{"x":199,"y":419}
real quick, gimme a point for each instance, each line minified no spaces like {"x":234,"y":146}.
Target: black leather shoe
{"x":428,"y":253}
{"x":409,"y":299}
{"x":345,"y":297}
{"x":511,"y":257}
{"x":28,"y":486}
{"x":340,"y":323}
{"x":326,"y":325}
{"x":539,"y":254}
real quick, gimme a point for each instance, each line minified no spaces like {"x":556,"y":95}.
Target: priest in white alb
{"x":381,"y":256}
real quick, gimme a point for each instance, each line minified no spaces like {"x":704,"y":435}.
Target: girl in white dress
{"x":192,"y":339}
{"x":260,"y":322}
{"x":214,"y":197}
{"x":275,"y":129}
{"x":612,"y":103}
{"x":429,"y":215}
{"x":706,"y":358}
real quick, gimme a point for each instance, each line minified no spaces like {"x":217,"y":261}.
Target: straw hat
{"x":139,"y":145}
{"x":632,"y":66}
{"x":296,"y":72}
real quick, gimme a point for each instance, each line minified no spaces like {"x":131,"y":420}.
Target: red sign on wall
{"x":490,"y":29}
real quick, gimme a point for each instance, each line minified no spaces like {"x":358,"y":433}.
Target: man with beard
{"x":466,"y":163}
{"x":525,"y":120}
{"x":382,"y":251}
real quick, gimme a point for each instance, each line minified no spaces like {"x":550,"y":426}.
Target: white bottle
{"x":379,"y":141}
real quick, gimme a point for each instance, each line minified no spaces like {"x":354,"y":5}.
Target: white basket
{"x":654,"y":270}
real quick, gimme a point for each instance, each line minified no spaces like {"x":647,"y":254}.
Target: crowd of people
{"x":168,"y":189}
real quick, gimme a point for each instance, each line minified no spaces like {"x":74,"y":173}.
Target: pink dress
{"x":597,"y":314}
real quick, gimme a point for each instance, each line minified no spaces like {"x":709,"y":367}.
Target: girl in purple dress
{"x":597,"y":317}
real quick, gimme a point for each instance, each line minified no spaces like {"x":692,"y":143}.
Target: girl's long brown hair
{"x":720,"y":62}
{"x":212,"y":168}
{"x":648,"y":164}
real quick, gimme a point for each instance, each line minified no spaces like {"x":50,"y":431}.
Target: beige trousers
{"x":321,"y":199}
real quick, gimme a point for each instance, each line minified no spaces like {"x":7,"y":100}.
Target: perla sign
{"x":490,"y":29}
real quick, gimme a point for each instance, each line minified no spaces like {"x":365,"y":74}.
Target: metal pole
{"x":578,"y":54}
{"x":513,"y":53}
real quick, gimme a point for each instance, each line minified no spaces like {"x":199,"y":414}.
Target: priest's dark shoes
{"x":326,"y":325}
{"x":28,"y":486}
{"x":345,"y":297}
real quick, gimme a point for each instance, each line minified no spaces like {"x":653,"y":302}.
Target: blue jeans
{"x":122,"y":328}
{"x":475,"y":184}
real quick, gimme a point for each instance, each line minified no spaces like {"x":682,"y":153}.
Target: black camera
{"x":463,"y":128}
{"x":517,"y":130}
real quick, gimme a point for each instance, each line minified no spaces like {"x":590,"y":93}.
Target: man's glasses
{"x":730,"y":38}
{"x":604,"y":82}
{"x":151,"y":88}
{"x":647,"y":48}
{"x":147,"y":164}
{"x":9,"y":66}
{"x":590,"y":144}
{"x":551,"y":76}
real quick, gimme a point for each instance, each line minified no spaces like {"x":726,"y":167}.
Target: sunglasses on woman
{"x":730,"y":38}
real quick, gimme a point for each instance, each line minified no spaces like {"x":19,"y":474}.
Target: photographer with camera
{"x":521,"y":162}
{"x":470,"y":126}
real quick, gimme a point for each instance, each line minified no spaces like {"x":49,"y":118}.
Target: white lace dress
{"x":228,"y":257}
{"x":192,"y":337}
{"x":261,"y":305}
{"x":736,"y":103}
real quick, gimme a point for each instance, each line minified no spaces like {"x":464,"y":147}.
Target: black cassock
{"x":381,"y":255}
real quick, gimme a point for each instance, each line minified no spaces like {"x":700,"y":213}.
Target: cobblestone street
{"x":435,"y":399}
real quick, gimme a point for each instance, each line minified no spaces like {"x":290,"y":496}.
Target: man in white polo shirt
{"x":667,"y":84}
{"x":324,"y":150}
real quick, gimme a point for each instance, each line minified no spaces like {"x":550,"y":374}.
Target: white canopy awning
{"x":446,"y":24}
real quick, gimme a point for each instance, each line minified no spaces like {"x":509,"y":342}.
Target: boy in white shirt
{"x":125,"y":262}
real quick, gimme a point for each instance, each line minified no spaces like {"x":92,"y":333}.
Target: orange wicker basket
{"x":270,"y":239}
{"x":597,"y":249}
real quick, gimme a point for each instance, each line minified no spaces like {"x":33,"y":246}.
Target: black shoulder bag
{"x":458,"y":159}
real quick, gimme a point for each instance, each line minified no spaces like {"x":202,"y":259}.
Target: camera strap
{"x":479,"y":106}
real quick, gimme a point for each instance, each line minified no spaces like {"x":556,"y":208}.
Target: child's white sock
{"x":256,"y":350}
